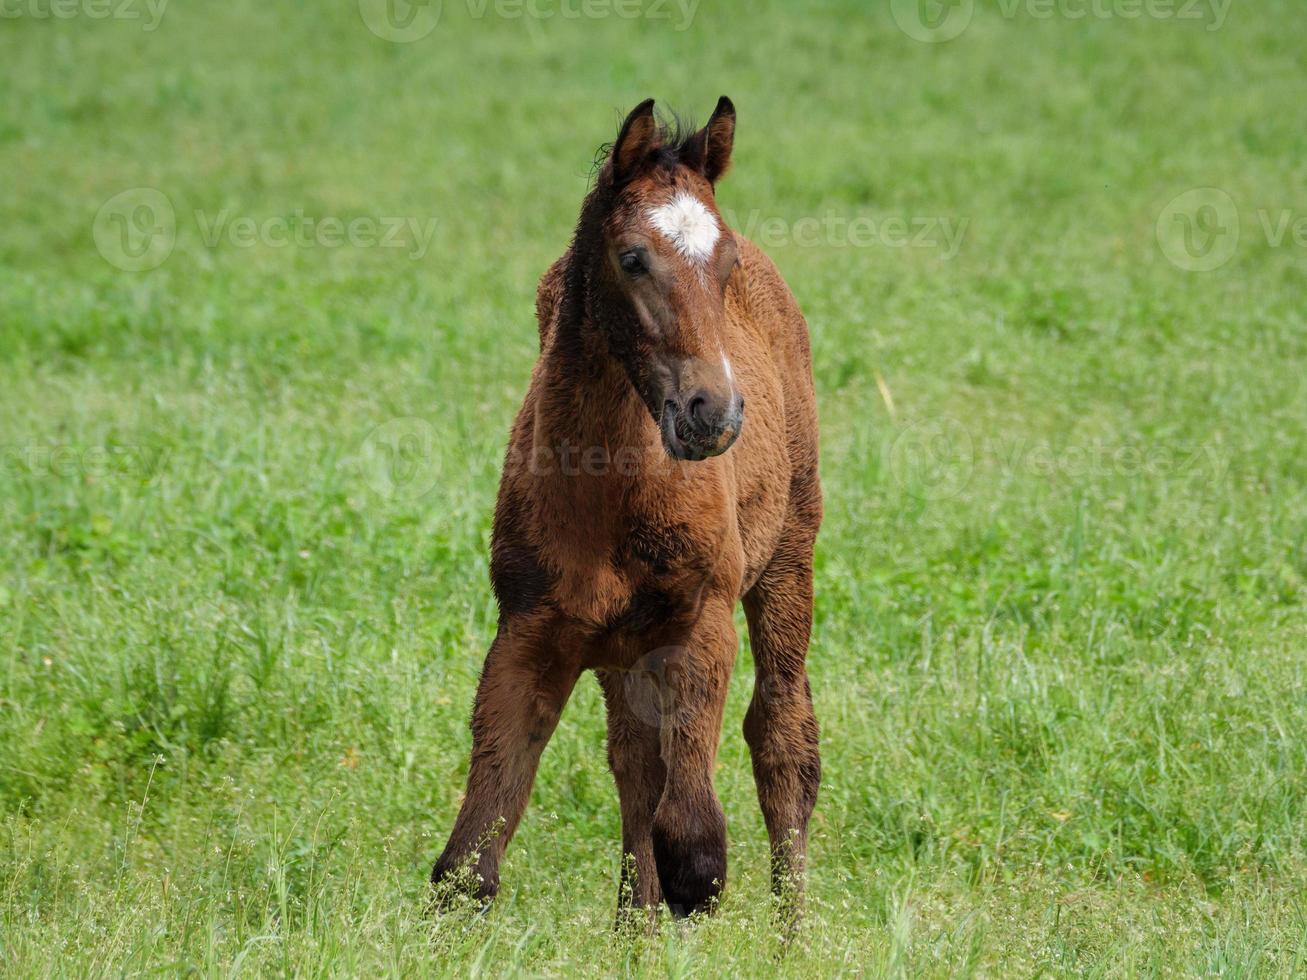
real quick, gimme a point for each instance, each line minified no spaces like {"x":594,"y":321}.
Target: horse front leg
{"x":636,"y":760}
{"x":689,"y":829}
{"x":521,"y":695}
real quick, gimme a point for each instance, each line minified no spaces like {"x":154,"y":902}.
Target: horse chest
{"x":639,"y":573}
{"x":659,"y":548}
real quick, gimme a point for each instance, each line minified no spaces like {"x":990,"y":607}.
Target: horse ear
{"x":634,"y":141}
{"x":716,"y":139}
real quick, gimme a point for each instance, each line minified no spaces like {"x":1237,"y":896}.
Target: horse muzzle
{"x":702,"y":425}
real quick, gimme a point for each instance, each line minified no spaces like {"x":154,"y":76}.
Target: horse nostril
{"x":697,"y":409}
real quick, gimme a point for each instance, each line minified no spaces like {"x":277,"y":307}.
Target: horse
{"x":640,"y":500}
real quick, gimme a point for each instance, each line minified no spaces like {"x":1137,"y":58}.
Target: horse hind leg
{"x":780,"y":726}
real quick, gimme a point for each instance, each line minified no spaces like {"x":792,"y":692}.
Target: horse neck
{"x":586,"y":399}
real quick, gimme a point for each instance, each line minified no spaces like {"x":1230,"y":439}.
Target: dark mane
{"x":675,"y":136}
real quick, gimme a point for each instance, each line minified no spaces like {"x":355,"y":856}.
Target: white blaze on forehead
{"x":688,"y":225}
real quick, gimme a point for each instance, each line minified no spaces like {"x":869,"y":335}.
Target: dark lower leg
{"x":689,"y":828}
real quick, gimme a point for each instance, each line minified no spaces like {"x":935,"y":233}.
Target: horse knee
{"x":689,"y":849}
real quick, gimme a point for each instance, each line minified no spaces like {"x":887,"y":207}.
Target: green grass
{"x":1060,"y":657}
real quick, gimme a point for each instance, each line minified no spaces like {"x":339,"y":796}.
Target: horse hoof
{"x":692,"y":872}
{"x":452,"y":884}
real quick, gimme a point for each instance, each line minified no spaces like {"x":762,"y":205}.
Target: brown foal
{"x":662,"y":467}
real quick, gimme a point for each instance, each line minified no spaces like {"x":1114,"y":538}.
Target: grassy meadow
{"x":266,"y":312}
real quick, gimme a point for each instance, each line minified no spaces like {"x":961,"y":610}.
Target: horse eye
{"x":632,"y":264}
